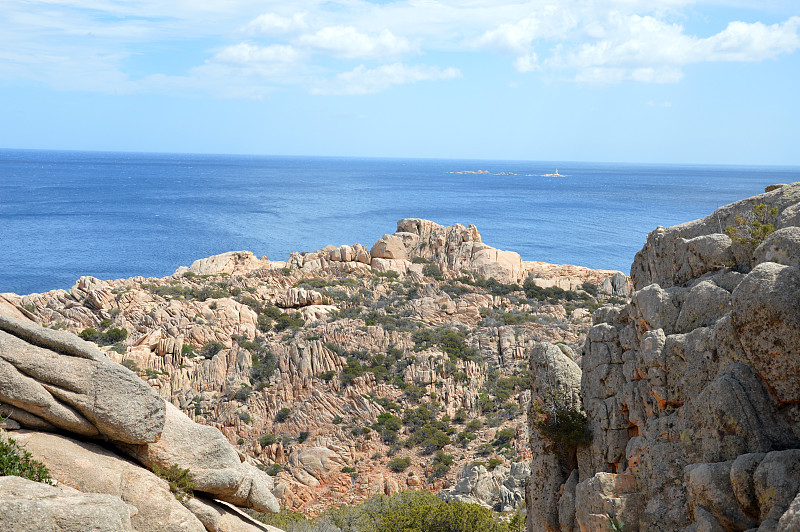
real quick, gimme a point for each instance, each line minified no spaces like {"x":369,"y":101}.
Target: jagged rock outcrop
{"x":223,"y":342}
{"x":691,"y":389}
{"x":27,"y":506}
{"x":555,"y":381}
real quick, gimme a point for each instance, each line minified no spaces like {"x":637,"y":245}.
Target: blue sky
{"x":673,"y":81}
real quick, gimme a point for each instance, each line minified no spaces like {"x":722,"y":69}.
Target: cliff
{"x":690,"y":391}
{"x":342,"y":372}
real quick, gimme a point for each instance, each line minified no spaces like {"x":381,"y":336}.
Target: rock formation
{"x":287,"y":367}
{"x":51,"y":380}
{"x":691,"y":389}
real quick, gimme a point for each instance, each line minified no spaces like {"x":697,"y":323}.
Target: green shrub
{"x":243,"y":393}
{"x":441,"y":464}
{"x":211,"y":349}
{"x":420,"y":260}
{"x":131,"y":365}
{"x":267,"y":439}
{"x":432,"y":270}
{"x":282,"y":415}
{"x":399,"y":464}
{"x":751,"y":230}
{"x":89,"y":334}
{"x":504,"y":436}
{"x":303,"y":436}
{"x":347,"y":469}
{"x":14,"y":460}
{"x":188,"y":349}
{"x":180,"y":481}
{"x":493,"y":462}
{"x":289,"y":321}
{"x":560,"y":423}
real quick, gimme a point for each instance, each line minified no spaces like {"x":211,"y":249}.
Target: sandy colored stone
{"x":94,"y":469}
{"x":215,"y":466}
{"x":27,"y":506}
{"x":89,"y":395}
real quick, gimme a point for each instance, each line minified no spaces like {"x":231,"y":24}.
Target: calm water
{"x":113,"y":215}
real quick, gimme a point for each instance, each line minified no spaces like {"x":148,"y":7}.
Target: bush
{"x":750,"y":231}
{"x":274,"y":469}
{"x":563,"y":425}
{"x":14,"y":460}
{"x":211,"y":349}
{"x":243,"y":393}
{"x":264,"y":365}
{"x":432,"y":270}
{"x":414,"y":511}
{"x":180,"y":481}
{"x":399,"y":464}
{"x":187,"y":349}
{"x":282,"y":415}
{"x":267,"y":439}
{"x":89,"y":334}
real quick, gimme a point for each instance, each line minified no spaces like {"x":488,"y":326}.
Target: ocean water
{"x":113,"y":215}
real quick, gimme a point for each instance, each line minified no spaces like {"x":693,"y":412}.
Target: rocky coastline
{"x":432,"y":361}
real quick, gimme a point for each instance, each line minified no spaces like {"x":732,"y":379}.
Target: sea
{"x":64,"y":214}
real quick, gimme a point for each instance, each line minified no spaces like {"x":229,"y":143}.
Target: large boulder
{"x":94,"y":469}
{"x":54,"y":379}
{"x":214,"y":465}
{"x":27,"y":506}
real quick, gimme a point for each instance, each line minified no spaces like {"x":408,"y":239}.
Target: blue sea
{"x":64,"y":214}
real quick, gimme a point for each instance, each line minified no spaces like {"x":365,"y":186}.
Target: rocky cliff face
{"x":691,"y":389}
{"x":330,"y":368}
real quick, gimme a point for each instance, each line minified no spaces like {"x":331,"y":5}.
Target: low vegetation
{"x":16,"y":461}
{"x":180,"y":481}
{"x":408,"y":511}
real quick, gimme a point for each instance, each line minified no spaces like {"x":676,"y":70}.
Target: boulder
{"x":94,"y":469}
{"x":766,"y":318}
{"x":67,"y":383}
{"x":27,"y":506}
{"x":214,"y":465}
{"x":220,"y":517}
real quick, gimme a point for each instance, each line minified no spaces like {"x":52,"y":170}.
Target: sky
{"x":655,"y":81}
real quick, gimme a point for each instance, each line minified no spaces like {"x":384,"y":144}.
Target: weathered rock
{"x":89,"y":395}
{"x":27,"y":506}
{"x":230,"y":262}
{"x":215,"y":467}
{"x":606,"y":497}
{"x":555,"y":380}
{"x":709,"y":486}
{"x":220,"y":517}
{"x":93,"y":469}
{"x":782,"y":246}
{"x":766,"y":317}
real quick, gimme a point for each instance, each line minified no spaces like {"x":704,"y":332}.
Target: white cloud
{"x":752,"y":42}
{"x":272,"y":24}
{"x":645,"y":49}
{"x":362,"y":80}
{"x":105,"y":44}
{"x":248,"y":54}
{"x":348,"y":42}
{"x":527,"y":63}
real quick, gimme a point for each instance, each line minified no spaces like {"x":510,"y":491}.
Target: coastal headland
{"x":433,"y":361}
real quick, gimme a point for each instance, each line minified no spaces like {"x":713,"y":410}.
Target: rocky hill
{"x":690,"y":391}
{"x":342,"y":372}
